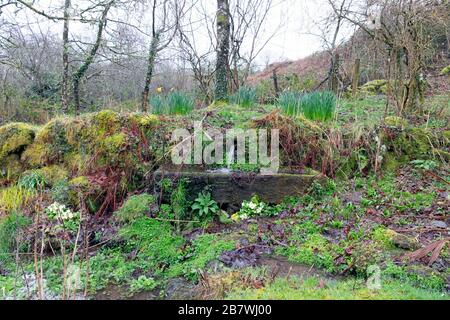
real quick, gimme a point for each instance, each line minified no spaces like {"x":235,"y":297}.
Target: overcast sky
{"x":294,"y":20}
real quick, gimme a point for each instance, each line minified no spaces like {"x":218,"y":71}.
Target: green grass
{"x":175,"y":103}
{"x":314,"y":289}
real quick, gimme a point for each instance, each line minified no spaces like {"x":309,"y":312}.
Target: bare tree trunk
{"x":223,"y":49}
{"x":275,"y":83}
{"x":150,"y":67}
{"x":334,"y":73}
{"x":65,"y":79}
{"x":90,"y":58}
{"x":356,"y":76}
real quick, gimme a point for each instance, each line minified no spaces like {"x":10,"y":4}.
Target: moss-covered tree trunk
{"x":223,"y":49}
{"x":65,"y":58}
{"x":149,"y":75}
{"x":79,"y":74}
{"x":333,"y":80}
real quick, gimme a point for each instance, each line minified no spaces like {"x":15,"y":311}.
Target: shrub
{"x":245,"y":97}
{"x":135,"y":207}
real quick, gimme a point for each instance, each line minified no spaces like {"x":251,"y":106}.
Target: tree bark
{"x":65,"y":57}
{"x":356,"y":77}
{"x":334,"y":73}
{"x":223,"y":50}
{"x":149,"y":75}
{"x":79,"y":74}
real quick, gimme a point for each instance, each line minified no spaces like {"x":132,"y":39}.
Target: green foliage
{"x":315,"y":251}
{"x":142,"y":284}
{"x":204,"y":206}
{"x":317,"y":106}
{"x":445,"y":71}
{"x":289,"y":102}
{"x":109,"y":266}
{"x":32,"y":180}
{"x":429,"y":165}
{"x":204,"y":249}
{"x":295,"y":288}
{"x":10,"y":226}
{"x":179,"y":201}
{"x":155,"y":241}
{"x":245,"y":97}
{"x":14,"y":198}
{"x":175,"y":103}
{"x":134,"y":207}
{"x":425,"y":280}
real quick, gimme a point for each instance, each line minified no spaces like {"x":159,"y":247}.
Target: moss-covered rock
{"x":11,"y":169}
{"x":374,"y":87}
{"x":14,"y":138}
{"x":391,"y":239}
{"x":396,"y":122}
{"x":445,"y":71}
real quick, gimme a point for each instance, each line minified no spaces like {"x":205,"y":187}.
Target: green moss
{"x":134,"y":208}
{"x":317,"y":289}
{"x":204,"y":249}
{"x":390,"y":162}
{"x":113,"y":144}
{"x":396,"y":122}
{"x":11,"y":169}
{"x":374,"y":87}
{"x":14,"y":138}
{"x":106,"y":121}
{"x":316,"y":250}
{"x":50,"y":144}
{"x":445,"y":71}
{"x":155,"y":242}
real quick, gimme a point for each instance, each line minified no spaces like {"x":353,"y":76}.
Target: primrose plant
{"x":63,"y":217}
{"x":253,"y":208}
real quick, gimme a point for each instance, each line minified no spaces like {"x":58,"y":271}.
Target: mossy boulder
{"x":396,"y":122}
{"x":375,"y":87}
{"x":14,"y":138}
{"x":50,"y":144}
{"x":11,"y":169}
{"x":445,"y":71}
{"x":391,"y":239}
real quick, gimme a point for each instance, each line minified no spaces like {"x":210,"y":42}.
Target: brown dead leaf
{"x":434,"y":248}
